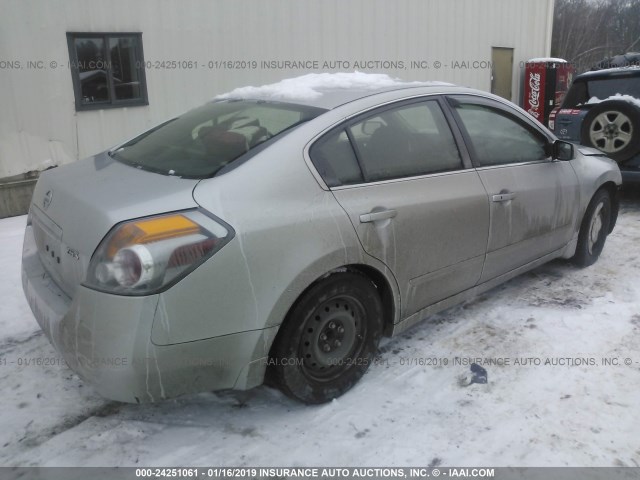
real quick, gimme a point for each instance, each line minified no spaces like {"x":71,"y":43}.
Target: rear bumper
{"x":106,"y":340}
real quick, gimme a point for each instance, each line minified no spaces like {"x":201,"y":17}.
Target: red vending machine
{"x":546,"y":80}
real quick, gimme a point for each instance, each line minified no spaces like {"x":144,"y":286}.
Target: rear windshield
{"x":582,"y":91}
{"x":201,"y":142}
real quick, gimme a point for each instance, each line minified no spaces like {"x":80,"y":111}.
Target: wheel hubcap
{"x":332,"y":337}
{"x":595,"y":228}
{"x":611,"y":131}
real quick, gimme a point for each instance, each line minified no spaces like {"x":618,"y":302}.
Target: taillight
{"x":146,"y":255}
{"x":551,"y":123}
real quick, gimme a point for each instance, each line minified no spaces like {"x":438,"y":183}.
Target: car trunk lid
{"x":75,"y":206}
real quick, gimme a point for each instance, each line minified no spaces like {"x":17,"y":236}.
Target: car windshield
{"x":201,"y":142}
{"x":582,"y":91}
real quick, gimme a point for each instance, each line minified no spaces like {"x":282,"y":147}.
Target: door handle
{"x":375,"y":216}
{"x":503,"y":197}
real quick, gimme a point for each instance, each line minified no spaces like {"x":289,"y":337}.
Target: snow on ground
{"x":13,"y":309}
{"x":399,"y":414}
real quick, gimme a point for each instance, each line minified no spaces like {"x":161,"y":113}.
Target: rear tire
{"x":328,"y":340}
{"x":594,"y":229}
{"x":613,"y":127}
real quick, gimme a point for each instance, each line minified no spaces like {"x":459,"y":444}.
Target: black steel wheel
{"x":328,"y":340}
{"x":594,"y":229}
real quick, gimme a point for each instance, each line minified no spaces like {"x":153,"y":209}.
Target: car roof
{"x":332,"y":98}
{"x":328,"y":90}
{"x":617,"y":72}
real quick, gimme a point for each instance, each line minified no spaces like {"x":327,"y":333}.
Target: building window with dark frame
{"x":107,"y":70}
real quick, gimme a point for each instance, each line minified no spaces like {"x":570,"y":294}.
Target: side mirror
{"x":562,"y":150}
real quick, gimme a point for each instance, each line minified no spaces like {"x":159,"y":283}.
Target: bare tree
{"x":588,"y":31}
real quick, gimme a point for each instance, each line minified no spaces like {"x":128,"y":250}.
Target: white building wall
{"x":38,"y":122}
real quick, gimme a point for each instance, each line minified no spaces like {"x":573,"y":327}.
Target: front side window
{"x":584,"y":90}
{"x":497,"y":138}
{"x":107,"y":70}
{"x":201,"y":142}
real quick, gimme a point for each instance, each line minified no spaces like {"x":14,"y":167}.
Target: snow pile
{"x":546,"y":59}
{"x":625,"y":98}
{"x":310,"y":86}
{"x":16,"y":320}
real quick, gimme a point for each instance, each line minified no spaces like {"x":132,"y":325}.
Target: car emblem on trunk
{"x":46,"y":201}
{"x":73,"y":253}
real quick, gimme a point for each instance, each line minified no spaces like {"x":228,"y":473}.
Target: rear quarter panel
{"x":289,"y":233}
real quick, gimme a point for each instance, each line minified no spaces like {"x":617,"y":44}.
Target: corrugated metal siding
{"x":38,"y":121}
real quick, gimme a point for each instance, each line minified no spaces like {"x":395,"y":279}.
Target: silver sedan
{"x":278,"y":234}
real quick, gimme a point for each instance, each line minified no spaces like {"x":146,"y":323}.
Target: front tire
{"x":328,"y":340}
{"x":594,"y":229}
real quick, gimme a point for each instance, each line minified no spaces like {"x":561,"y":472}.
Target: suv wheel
{"x":614,"y":128}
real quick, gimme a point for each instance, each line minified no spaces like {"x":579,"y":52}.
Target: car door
{"x":532,"y":197}
{"x":415,"y":204}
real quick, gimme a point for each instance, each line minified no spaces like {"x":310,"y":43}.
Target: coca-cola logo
{"x":534,"y":94}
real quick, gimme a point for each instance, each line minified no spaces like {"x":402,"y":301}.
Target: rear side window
{"x":335,"y":160}
{"x":497,"y":138}
{"x":203,"y":141}
{"x":406,"y":141}
{"x":398,"y":142}
{"x":609,"y":87}
{"x":583,"y":90}
{"x":576,"y":95}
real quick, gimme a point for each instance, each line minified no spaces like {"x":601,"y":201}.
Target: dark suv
{"x":602,"y":110}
